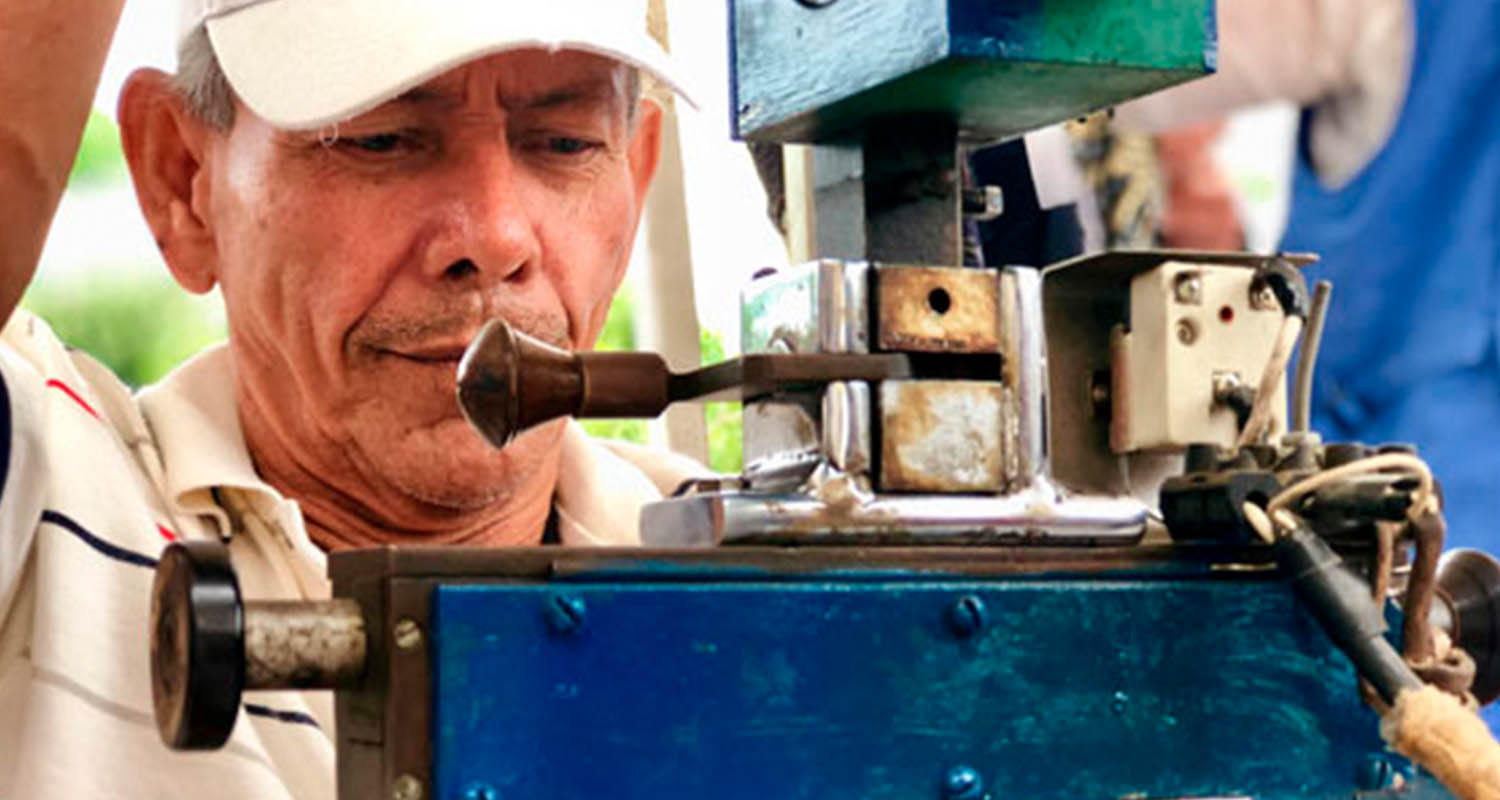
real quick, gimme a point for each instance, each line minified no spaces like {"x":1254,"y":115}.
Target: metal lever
{"x":509,"y":382}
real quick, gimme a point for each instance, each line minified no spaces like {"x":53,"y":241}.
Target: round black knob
{"x":197,"y":646}
{"x":1470,"y":581}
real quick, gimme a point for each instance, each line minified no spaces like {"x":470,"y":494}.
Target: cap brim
{"x":301,"y":65}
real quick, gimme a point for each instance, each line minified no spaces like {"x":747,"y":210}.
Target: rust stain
{"x":942,"y":436}
{"x":939,"y":309}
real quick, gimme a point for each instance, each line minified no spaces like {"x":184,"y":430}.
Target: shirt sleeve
{"x":23,"y":468}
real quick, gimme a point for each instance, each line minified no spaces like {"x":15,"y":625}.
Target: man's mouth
{"x":445,"y":353}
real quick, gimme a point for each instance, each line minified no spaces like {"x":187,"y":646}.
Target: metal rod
{"x":303,"y":644}
{"x":1308,"y":360}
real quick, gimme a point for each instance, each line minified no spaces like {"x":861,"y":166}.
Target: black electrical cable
{"x":1341,"y":604}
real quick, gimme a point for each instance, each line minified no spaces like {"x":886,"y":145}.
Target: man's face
{"x":357,"y":262}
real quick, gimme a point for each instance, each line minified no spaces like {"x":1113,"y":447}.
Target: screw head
{"x":1187,"y":331}
{"x":565,"y":613}
{"x":406,"y":787}
{"x":480,"y":791}
{"x":1375,"y":772}
{"x":408,"y":634}
{"x":968,"y":615}
{"x":1188,"y":289}
{"x":1264,"y":299}
{"x":963,"y":783}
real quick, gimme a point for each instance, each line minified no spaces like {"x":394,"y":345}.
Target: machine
{"x":1012,"y":532}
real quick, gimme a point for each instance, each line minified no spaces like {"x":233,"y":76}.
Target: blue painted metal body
{"x":872,"y":687}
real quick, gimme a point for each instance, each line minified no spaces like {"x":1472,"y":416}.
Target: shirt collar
{"x":195,"y":421}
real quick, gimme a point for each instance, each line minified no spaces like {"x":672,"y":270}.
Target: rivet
{"x":968,"y":615}
{"x":406,"y":787}
{"x":565,"y":613}
{"x":1375,"y":772}
{"x":480,"y":791}
{"x":408,"y":635}
{"x":963,"y":783}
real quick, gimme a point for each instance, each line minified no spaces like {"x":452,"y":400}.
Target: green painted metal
{"x":999,"y":67}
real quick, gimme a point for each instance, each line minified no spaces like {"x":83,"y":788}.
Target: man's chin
{"x":451,"y":467}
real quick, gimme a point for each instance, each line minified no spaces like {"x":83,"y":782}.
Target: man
{"x":367,"y":183}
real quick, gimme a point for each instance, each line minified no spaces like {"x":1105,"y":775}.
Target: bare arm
{"x":1301,"y":51}
{"x":54,"y":51}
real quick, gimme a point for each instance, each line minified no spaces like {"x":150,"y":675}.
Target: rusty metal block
{"x":944,"y":436}
{"x":938,"y":309}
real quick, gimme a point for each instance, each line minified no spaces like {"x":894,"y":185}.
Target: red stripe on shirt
{"x":57,"y":384}
{"x":165,"y":533}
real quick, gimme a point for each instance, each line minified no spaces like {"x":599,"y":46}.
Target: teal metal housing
{"x":829,"y":71}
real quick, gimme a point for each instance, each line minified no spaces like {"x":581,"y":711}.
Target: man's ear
{"x":645,"y":147}
{"x":165,"y":146}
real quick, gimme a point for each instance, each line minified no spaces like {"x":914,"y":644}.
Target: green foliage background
{"x":724,"y":426}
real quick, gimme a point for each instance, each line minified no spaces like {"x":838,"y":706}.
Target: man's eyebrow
{"x":422,"y":95}
{"x":593,"y":91}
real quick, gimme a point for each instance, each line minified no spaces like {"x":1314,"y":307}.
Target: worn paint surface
{"x":859,"y":689}
{"x":999,"y":66}
{"x":943,"y":436}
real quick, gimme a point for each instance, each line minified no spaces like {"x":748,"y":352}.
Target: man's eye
{"x":569,"y":146}
{"x":378,"y":143}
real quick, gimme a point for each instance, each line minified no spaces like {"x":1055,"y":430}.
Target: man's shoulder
{"x":51,"y":365}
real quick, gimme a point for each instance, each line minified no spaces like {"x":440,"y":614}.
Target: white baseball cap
{"x":307,"y":63}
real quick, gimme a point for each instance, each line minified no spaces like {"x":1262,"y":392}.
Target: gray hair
{"x":206,"y":91}
{"x":201,"y":81}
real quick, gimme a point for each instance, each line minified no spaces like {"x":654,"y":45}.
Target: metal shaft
{"x":303,"y":645}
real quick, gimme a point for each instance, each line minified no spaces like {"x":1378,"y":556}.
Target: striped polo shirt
{"x":94,"y":482}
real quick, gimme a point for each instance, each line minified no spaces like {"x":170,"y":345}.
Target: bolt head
{"x":1187,"y":331}
{"x":968,"y":615}
{"x":963,"y":783}
{"x":565,"y":613}
{"x":1264,"y":300}
{"x":480,"y":791}
{"x":406,"y":787}
{"x":1188,"y":288}
{"x":1375,"y":772}
{"x":408,"y":634}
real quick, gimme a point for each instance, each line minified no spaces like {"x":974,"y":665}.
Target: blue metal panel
{"x":1064,"y":689}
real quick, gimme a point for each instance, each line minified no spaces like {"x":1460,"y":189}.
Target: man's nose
{"x":489,"y":231}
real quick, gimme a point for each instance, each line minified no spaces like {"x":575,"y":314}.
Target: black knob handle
{"x":197,"y":646}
